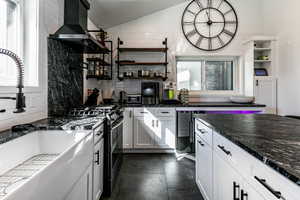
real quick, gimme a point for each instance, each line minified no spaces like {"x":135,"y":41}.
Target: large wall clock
{"x":209,"y":25}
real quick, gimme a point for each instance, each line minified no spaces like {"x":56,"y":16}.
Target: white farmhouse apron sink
{"x":43,"y":164}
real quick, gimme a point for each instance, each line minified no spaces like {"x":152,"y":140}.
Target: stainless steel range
{"x":108,"y":119}
{"x":113,"y":148}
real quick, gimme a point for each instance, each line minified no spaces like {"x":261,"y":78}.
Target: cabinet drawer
{"x":204,"y":132}
{"x":165,"y":112}
{"x":273,"y":185}
{"x":239,"y":159}
{"x":140,"y":112}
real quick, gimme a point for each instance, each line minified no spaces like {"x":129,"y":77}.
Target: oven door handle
{"x":119,"y":124}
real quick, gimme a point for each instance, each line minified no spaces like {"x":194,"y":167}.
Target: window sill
{"x":13,"y":89}
{"x":213,"y":93}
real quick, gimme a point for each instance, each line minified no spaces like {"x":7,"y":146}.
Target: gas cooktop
{"x":83,"y":124}
{"x":86,"y":118}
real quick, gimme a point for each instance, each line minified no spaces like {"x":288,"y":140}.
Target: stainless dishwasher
{"x":185,"y":136}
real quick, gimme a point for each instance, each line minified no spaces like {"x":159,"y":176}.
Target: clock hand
{"x":209,"y":8}
{"x":208,"y":17}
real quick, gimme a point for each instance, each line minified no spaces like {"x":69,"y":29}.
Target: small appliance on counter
{"x":134,"y":99}
{"x":169,"y":92}
{"x":150,"y":93}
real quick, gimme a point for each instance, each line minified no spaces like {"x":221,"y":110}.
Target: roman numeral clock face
{"x":209,"y":25}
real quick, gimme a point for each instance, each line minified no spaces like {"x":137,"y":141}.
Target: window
{"x":19,"y":33}
{"x":9,"y":29}
{"x":207,"y":74}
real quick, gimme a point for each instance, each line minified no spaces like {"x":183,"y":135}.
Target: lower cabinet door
{"x":128,"y":129}
{"x":98,"y":171}
{"x":204,"y":168}
{"x":144,"y":130}
{"x":227,"y":182}
{"x":165,"y":133}
{"x":83,"y":190}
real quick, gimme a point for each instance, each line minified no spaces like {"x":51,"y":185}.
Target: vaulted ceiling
{"x":109,"y":13}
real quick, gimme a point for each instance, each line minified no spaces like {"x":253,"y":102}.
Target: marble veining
{"x":65,"y":77}
{"x":275,"y":140}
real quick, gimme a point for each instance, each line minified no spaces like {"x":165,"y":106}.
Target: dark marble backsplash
{"x":65,"y":85}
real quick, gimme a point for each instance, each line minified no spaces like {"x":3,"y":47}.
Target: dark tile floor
{"x":156,"y":177}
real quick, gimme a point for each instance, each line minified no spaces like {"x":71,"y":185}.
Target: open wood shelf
{"x":101,"y":61}
{"x":262,"y":49}
{"x":262,"y":61}
{"x":98,"y":77}
{"x":143,"y":49}
{"x":142,"y":63}
{"x":142,"y":78}
{"x":163,"y":50}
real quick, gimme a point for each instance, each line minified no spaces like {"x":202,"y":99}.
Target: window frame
{"x":21,"y":47}
{"x":237,"y":74}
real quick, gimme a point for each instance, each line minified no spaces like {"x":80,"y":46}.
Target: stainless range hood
{"x":74,"y":30}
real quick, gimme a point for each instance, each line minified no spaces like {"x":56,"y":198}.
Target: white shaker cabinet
{"x":165,"y":133}
{"x":82,"y":190}
{"x":204,"y":168}
{"x":154,"y":128}
{"x":128,"y":129}
{"x":265,"y":92}
{"x":220,"y":174}
{"x":227,"y":180}
{"x":144,"y":133}
{"x":98,"y":170}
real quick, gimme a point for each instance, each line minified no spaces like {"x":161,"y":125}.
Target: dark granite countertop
{"x":272,"y":139}
{"x":200,"y":104}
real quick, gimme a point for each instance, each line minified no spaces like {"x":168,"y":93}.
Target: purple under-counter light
{"x":235,"y":112}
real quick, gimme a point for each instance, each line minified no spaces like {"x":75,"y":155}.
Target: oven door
{"x":117,"y":146}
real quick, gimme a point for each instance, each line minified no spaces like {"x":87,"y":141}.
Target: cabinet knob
{"x":201,"y":143}
{"x":97,"y":161}
{"x":99,"y":133}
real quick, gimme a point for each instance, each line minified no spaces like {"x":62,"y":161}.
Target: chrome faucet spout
{"x":20,"y":98}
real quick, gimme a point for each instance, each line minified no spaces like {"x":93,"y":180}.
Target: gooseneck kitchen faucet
{"x":20,"y":98}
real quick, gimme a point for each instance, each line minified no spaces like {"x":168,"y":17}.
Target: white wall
{"x":149,"y":31}
{"x":281,"y":19}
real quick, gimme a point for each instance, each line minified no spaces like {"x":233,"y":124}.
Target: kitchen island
{"x":259,"y":152}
